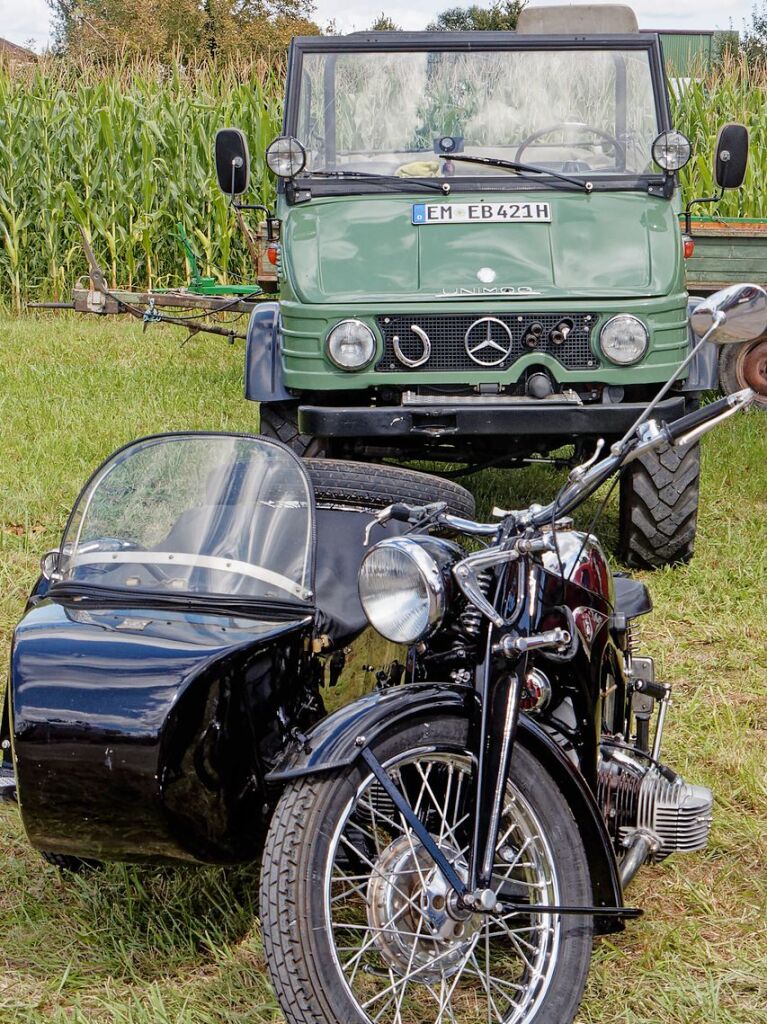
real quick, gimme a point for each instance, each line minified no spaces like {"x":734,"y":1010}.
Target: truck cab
{"x":479,"y":254}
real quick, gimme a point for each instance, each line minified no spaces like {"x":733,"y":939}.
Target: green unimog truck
{"x":479,"y":253}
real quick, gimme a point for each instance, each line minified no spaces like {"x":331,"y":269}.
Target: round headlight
{"x":285,"y":156}
{"x":402,"y":585}
{"x":671,"y":150}
{"x":624,"y":339}
{"x":351,"y":345}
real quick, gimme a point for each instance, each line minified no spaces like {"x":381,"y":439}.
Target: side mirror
{"x":232,"y":161}
{"x":745,"y":314}
{"x":731,"y":155}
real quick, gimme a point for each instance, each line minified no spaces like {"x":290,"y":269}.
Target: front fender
{"x":263,"y":366}
{"x":338,"y":740}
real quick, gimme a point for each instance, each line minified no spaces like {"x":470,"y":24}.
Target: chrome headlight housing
{"x":285,"y":156}
{"x":405,"y":586}
{"x":350,"y":345}
{"x":624,"y":339}
{"x":671,"y":150}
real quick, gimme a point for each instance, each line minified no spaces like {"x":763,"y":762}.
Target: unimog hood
{"x":366,"y":248}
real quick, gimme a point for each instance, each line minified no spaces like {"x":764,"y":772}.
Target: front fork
{"x":491,"y":742}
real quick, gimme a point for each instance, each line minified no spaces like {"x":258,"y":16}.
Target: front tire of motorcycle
{"x":322,"y":835}
{"x":659,"y":495}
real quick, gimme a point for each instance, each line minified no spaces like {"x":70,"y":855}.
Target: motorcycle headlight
{"x":351,"y":345}
{"x":403,"y":586}
{"x":671,"y":150}
{"x":624,"y":339}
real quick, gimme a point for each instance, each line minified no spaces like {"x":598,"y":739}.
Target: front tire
{"x":659,"y":507}
{"x":347,"y":894}
{"x":279,"y":420}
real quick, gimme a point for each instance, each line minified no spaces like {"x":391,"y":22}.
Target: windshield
{"x":582,"y":112}
{"x":194,"y":514}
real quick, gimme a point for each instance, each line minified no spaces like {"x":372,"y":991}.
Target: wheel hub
{"x":419,"y":925}
{"x":754,"y":367}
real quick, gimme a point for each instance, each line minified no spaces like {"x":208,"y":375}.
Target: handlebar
{"x":585,"y":479}
{"x":686,"y":424}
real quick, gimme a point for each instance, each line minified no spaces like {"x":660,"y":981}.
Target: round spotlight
{"x":286,"y":157}
{"x":671,"y":150}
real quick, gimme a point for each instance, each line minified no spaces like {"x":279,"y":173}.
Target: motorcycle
{"x":444,"y":848}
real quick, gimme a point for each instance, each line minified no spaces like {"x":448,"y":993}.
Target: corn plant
{"x":124,"y":149}
{"x":125,"y":152}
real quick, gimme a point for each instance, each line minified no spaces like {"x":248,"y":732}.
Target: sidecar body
{"x":166,"y":657}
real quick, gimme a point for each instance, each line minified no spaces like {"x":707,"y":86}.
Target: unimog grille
{"x":459,"y":341}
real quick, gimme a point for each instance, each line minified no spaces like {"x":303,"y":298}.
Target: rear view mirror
{"x":731,"y":156}
{"x":232,"y":161}
{"x":745,"y":310}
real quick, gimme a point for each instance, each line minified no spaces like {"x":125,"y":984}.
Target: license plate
{"x":487,"y":213}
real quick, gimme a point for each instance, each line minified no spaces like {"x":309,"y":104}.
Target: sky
{"x":27,"y":21}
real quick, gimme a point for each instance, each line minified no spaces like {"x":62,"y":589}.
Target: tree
{"x":755,"y":37}
{"x":384,"y":23}
{"x":193,"y":27}
{"x":501,"y":16}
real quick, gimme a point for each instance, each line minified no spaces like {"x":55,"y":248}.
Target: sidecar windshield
{"x":195,"y":514}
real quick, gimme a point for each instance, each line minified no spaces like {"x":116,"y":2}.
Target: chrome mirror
{"x":49,"y":563}
{"x":745,"y":314}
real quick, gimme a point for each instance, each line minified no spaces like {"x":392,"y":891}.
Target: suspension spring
{"x":471,"y":617}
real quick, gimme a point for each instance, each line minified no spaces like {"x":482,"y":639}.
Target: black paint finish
{"x":143,"y":734}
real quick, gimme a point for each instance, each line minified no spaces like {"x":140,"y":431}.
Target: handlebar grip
{"x":687,"y":423}
{"x":400,"y":512}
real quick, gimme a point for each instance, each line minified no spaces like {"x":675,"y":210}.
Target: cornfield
{"x":125,"y":150}
{"x":126,"y":153}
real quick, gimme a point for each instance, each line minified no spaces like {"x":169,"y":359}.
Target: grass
{"x":130,"y":945}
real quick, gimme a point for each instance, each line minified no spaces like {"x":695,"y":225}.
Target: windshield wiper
{"x":511,"y":165}
{"x":388,"y":179}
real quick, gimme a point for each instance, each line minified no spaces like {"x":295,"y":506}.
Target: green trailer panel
{"x":727,"y":251}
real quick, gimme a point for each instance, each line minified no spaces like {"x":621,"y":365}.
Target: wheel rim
{"x":403,"y":949}
{"x":751,"y":368}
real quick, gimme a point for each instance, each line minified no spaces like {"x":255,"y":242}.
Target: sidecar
{"x":172,"y":648}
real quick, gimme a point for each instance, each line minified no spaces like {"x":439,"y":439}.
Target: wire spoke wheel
{"x":401,"y":941}
{"x":361,"y":926}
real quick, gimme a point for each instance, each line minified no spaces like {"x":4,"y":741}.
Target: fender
{"x":338,"y":740}
{"x":263,"y":366}
{"x":703,"y":374}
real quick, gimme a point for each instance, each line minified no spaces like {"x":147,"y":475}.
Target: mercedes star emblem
{"x":488,"y":341}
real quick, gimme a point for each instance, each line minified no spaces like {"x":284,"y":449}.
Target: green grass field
{"x":153,"y":946}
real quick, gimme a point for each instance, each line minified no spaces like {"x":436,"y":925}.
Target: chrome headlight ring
{"x":624,"y":339}
{"x":350,"y":345}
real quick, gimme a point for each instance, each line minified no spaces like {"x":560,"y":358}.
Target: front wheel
{"x":360,"y":926}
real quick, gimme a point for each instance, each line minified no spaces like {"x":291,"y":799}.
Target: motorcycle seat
{"x":632,"y":597}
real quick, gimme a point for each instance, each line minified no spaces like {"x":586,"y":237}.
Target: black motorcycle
{"x":442,"y":849}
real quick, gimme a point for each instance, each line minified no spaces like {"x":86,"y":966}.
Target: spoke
{"x":514,"y":864}
{"x":436,"y":806}
{"x":379,"y":814}
{"x":371,"y":928}
{"x":447,"y":802}
{"x":373,"y":867}
{"x":486,"y":986}
{"x":407,"y":970}
{"x":458,"y":976}
{"x":405,"y":979}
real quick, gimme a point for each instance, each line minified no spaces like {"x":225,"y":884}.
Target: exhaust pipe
{"x":639,"y":847}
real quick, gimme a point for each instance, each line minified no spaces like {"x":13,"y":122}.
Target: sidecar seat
{"x":340,"y":550}
{"x":632,"y":597}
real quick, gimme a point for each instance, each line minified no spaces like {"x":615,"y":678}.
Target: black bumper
{"x":531,"y":418}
